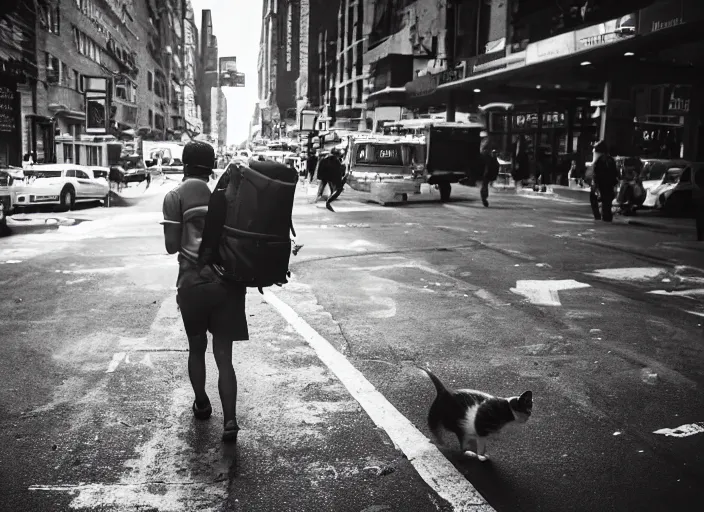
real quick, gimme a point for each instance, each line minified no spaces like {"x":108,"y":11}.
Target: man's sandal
{"x":202,"y":413}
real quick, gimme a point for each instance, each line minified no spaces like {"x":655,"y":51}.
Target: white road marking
{"x":116,"y":359}
{"x":521,"y":225}
{"x":697,"y":313}
{"x":629,"y":274}
{"x":679,"y":293}
{"x":429,"y":462}
{"x":545,"y":293}
{"x":147,"y":361}
{"x":682,"y":430}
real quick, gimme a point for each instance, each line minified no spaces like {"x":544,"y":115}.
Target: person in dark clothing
{"x":337,"y":178}
{"x":330,"y":173}
{"x":605,"y":179}
{"x":490,"y":170}
{"x":520,"y":161}
{"x":311,"y":165}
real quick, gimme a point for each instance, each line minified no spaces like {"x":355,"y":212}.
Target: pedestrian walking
{"x":606,"y":177}
{"x":490,"y":170}
{"x":329,"y":175}
{"x":205,"y":302}
{"x":311,"y":164}
{"x":520,"y":162}
{"x":336,"y":178}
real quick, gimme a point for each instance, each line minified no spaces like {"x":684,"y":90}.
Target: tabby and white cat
{"x":474,"y":415}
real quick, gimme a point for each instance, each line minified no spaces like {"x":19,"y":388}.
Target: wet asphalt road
{"x":390,"y":288}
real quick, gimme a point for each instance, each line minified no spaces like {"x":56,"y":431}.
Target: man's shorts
{"x":214,"y":307}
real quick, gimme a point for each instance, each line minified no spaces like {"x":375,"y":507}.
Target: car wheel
{"x":67,"y":199}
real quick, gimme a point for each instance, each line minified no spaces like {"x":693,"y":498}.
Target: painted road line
{"x":697,"y":313}
{"x":545,"y":293}
{"x":429,"y":462}
{"x":116,"y":359}
{"x":682,"y":430}
{"x":629,"y":274}
{"x":679,"y":293}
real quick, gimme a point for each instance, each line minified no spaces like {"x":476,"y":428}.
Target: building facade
{"x":191,"y":108}
{"x":571,"y":73}
{"x":207,"y":71}
{"x":19,"y":78}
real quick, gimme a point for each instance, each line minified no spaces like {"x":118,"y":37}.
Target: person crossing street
{"x":605,"y":179}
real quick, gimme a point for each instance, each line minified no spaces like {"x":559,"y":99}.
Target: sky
{"x":237,"y":25}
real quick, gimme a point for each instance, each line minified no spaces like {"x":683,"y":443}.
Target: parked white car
{"x":62,"y":184}
{"x":658,"y":191}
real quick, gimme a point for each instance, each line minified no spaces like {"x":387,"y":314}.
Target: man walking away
{"x":311,"y":165}
{"x":605,"y":179}
{"x":490,"y":170}
{"x":206,"y":303}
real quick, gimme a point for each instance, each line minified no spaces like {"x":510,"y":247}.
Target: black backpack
{"x":246,"y":237}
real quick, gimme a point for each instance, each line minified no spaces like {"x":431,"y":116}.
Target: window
{"x":151,"y":119}
{"x":150,"y":80}
{"x":95,"y":155}
{"x":71,"y":173}
{"x":82,"y":174}
{"x":51,"y":19}
{"x":68,"y":153}
{"x":76,"y":79}
{"x":53,"y":68}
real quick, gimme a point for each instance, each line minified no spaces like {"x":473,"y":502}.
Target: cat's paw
{"x":470,"y":454}
{"x":483,"y":458}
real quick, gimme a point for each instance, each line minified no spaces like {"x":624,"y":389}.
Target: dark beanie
{"x":198,"y":158}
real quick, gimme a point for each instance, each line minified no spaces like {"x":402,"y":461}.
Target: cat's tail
{"x":439,"y":386}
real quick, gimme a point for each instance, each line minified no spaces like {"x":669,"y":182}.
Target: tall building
{"x":190,"y":57}
{"x":312,"y":43}
{"x":218,"y":116}
{"x":21,"y":130}
{"x":207,"y":71}
{"x":278,"y":68}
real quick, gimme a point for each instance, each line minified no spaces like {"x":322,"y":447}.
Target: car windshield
{"x":43,"y":174}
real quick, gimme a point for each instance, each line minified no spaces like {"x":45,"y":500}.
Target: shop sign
{"x":8,"y":110}
{"x":606,"y":33}
{"x":509,"y":61}
{"x":450,"y":75}
{"x":661,"y":16}
{"x":680,"y":99}
{"x":551,"y":48}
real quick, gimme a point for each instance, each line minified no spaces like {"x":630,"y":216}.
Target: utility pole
{"x":451,"y":21}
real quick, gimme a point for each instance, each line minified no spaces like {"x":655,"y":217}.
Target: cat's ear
{"x":526,"y":400}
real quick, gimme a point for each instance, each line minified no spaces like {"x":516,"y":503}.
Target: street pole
{"x":451,"y":55}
